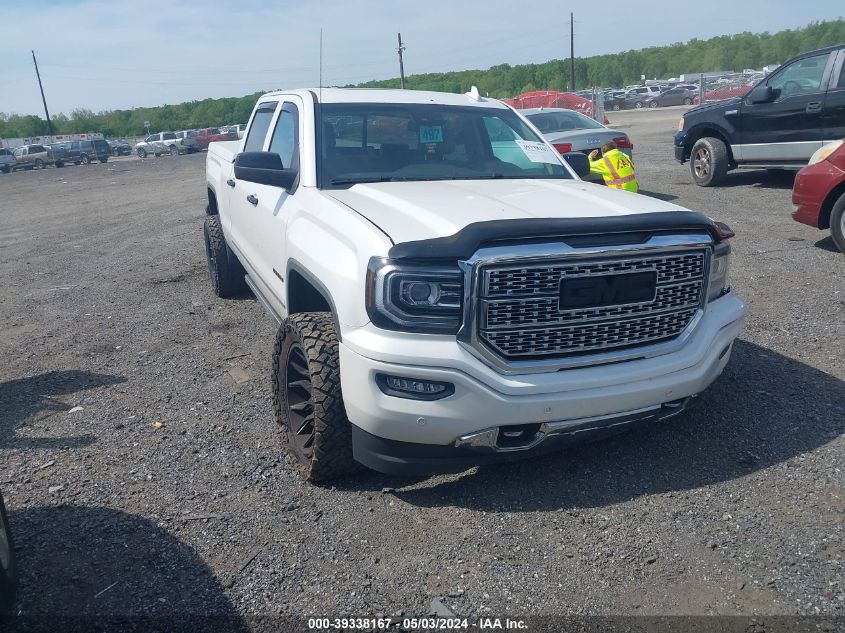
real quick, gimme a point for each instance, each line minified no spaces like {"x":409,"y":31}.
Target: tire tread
{"x":230,"y":274}
{"x":332,"y":454}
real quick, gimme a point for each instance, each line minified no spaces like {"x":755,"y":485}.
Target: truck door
{"x":789,"y":128}
{"x":833,"y":115}
{"x":272,"y":207}
{"x":240,"y":224}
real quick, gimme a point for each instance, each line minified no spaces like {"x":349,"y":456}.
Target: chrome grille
{"x":519,"y":314}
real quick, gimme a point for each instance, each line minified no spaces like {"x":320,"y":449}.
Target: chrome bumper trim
{"x":487,"y":440}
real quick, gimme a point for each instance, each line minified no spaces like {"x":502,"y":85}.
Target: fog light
{"x":413,"y":388}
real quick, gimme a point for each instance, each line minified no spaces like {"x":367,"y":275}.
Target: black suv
{"x":778,"y":125}
{"x":86,"y":151}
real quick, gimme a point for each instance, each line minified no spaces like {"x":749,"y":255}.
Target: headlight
{"x":719,"y":282}
{"x":681,"y":125}
{"x":825,"y":152}
{"x":414,"y":298}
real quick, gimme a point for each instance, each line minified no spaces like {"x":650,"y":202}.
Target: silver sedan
{"x":571,"y":131}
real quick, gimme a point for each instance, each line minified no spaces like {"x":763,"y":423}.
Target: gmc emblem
{"x":607,"y":290}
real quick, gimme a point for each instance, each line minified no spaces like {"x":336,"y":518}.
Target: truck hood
{"x":714,"y":105}
{"x":409,"y":211}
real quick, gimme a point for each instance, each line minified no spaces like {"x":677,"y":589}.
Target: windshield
{"x":562,"y":122}
{"x":399,"y":142}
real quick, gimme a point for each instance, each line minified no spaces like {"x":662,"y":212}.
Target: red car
{"x":211,"y":134}
{"x":818,"y":196}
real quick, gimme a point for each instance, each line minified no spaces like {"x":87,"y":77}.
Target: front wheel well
{"x":304,"y":296}
{"x":827,"y":205}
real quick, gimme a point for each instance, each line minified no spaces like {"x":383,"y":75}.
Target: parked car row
{"x":80,"y":152}
{"x":183,"y":142}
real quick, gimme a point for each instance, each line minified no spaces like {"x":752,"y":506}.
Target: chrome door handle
{"x":252,"y":199}
{"x":814,"y":106}
{"x":230,"y":182}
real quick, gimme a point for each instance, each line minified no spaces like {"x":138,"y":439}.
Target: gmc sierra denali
{"x":448,"y":291}
{"x":785,"y":118}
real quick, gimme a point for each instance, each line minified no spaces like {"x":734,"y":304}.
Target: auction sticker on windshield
{"x":431,"y":134}
{"x":538,"y":152}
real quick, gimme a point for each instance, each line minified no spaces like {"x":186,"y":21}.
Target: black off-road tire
{"x":174,"y":151}
{"x":8,"y":566}
{"x":709,"y":161}
{"x":837,"y":223}
{"x":224,"y":269}
{"x":311,"y":336}
{"x":39,"y":164}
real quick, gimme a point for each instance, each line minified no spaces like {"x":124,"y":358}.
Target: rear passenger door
{"x":833,"y":116}
{"x":789,"y":128}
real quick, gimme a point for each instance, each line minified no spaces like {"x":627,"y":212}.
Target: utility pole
{"x":572,"y":52}
{"x":401,"y":65}
{"x":43,"y":99}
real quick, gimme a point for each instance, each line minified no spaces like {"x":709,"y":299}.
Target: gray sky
{"x":107,"y":54}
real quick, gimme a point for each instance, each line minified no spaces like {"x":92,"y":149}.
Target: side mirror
{"x":761,"y":94}
{"x":579,"y":162}
{"x":264,"y":168}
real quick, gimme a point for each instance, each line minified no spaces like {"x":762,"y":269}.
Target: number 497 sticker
{"x":431,"y":134}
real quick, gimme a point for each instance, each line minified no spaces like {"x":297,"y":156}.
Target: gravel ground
{"x":143,"y":473}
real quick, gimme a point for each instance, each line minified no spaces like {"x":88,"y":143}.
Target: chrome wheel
{"x":299,"y":403}
{"x":701,"y":163}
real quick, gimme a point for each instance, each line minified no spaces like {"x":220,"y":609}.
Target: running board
{"x":263,"y":300}
{"x":789,"y":166}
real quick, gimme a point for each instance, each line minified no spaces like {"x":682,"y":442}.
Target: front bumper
{"x":680,"y":147}
{"x":812,"y":185}
{"x":491,"y":446}
{"x":403,"y":436}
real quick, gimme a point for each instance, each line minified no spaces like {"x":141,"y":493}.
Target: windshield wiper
{"x":353,"y":181}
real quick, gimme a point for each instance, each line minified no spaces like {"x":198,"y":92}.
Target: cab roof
{"x":380,"y":95}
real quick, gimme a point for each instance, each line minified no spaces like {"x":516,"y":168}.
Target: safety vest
{"x":617,"y":170}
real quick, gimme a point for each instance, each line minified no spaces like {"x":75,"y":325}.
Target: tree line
{"x":723,"y":53}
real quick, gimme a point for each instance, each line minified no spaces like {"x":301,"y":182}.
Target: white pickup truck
{"x":449,"y":292}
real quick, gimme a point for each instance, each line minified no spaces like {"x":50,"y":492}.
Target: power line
{"x":287,"y":68}
{"x":137,"y":82}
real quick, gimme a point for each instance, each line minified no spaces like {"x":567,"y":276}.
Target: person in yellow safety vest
{"x":614,"y":166}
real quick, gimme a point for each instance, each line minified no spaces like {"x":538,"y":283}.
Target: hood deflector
{"x":465,"y":242}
